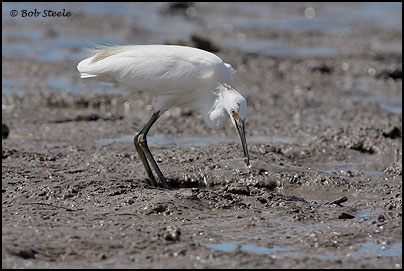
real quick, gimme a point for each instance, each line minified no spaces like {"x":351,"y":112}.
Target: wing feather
{"x":156,"y":68}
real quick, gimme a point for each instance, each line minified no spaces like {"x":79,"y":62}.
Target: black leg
{"x":144,"y":160}
{"x":144,"y":152}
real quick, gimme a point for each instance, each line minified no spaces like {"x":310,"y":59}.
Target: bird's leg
{"x":142,"y":142}
{"x":144,"y":160}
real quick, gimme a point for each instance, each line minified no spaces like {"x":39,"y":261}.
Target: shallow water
{"x":328,"y":168}
{"x":372,"y":249}
{"x":184,"y":141}
{"x":228,"y":246}
{"x":148,"y":16}
{"x":55,"y":173}
{"x":277,"y":49}
{"x":366,"y":249}
{"x":34,"y":43}
{"x":166,"y":142}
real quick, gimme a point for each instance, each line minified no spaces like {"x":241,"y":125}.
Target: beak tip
{"x":247,"y":162}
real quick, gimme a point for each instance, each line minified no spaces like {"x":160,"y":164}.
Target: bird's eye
{"x":232,"y":111}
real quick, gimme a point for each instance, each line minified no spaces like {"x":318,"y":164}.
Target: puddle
{"x":369,"y":92}
{"x":371,"y":249}
{"x":187,"y":141}
{"x":238,"y":163}
{"x":165,"y":142}
{"x":331,"y":19}
{"x":347,"y":170}
{"x":247,"y":248}
{"x":340,"y":169}
{"x":366,"y":249}
{"x":273,"y":139}
{"x":148,"y":16}
{"x":10,"y":86}
{"x":393,"y":105}
{"x":49,"y":49}
{"x":331,"y":123}
{"x":365,"y":214}
{"x":182,"y":142}
{"x":64,"y":84}
{"x":44,"y":49}
{"x":77,"y":86}
{"x":363,"y":167}
{"x":278,"y":49}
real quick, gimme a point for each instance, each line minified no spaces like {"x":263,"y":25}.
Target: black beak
{"x":241,"y":132}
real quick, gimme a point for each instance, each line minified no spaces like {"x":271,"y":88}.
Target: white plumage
{"x":177,"y":76}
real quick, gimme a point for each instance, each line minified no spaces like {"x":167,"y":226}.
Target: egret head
{"x":236,"y":106}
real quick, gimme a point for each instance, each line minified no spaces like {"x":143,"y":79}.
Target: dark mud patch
{"x":324,"y":189}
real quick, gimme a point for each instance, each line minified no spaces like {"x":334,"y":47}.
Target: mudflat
{"x":324,"y":131}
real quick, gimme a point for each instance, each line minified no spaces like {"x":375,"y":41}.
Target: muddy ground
{"x":324,"y":189}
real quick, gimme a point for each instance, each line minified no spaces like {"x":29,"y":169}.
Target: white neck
{"x":214,"y":113}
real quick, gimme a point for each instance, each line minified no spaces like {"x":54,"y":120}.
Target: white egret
{"x":178,"y":76}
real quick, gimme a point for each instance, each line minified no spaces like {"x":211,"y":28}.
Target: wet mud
{"x":324,"y":131}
